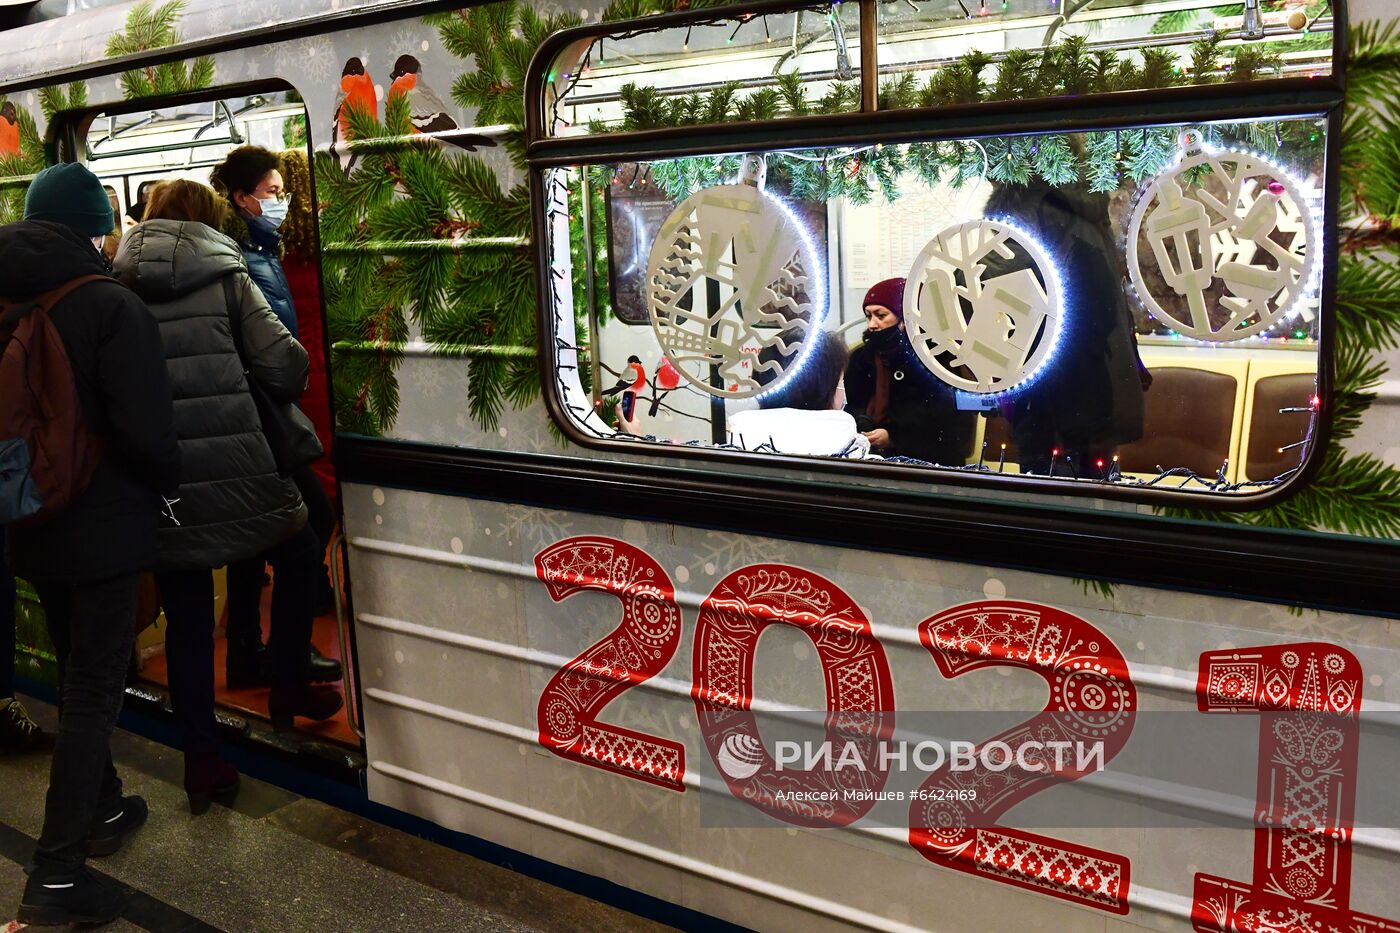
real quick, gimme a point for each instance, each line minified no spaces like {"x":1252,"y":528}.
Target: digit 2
{"x":1308,"y":696}
{"x":1091,"y":699}
{"x":638,"y":649}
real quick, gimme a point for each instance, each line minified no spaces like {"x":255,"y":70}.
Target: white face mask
{"x":274,"y":211}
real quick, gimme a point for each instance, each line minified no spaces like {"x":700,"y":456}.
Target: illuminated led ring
{"x":733,"y":216}
{"x":937,"y":323}
{"x":1303,"y":289}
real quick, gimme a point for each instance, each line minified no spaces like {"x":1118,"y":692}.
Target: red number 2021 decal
{"x":1308,"y":697}
{"x":637,"y":650}
{"x":1091,"y":700}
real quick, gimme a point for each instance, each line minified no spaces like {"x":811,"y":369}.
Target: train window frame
{"x":1318,"y":96}
{"x":68,"y":130}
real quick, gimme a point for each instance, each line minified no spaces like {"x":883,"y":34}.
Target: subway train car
{"x":901,"y":464}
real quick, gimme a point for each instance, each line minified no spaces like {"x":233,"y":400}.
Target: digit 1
{"x":859,"y":692}
{"x":1308,"y":696}
{"x":1092,"y":699}
{"x":634,"y":652}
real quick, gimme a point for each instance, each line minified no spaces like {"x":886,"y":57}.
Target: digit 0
{"x":634,"y":652}
{"x":1307,"y":696}
{"x":1092,"y":700}
{"x":859,"y":692}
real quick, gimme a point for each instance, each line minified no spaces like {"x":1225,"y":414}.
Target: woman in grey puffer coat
{"x":232,"y":504}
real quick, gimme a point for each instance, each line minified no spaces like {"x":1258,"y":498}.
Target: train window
{"x":1106,"y":303}
{"x":751,"y":66}
{"x":133,"y":149}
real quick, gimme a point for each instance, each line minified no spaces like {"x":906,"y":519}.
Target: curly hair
{"x":299,"y":229}
{"x":243,"y":170}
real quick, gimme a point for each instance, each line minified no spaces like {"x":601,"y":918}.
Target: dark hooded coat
{"x":114,"y":349}
{"x":232,"y":503}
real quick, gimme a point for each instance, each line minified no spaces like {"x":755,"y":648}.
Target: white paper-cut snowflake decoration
{"x":1229,"y":232}
{"x":732,"y":274}
{"x":974,"y":329}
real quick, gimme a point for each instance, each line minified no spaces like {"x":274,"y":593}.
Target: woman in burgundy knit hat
{"x":897,"y":404}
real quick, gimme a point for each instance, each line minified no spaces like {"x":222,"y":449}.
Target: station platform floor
{"x":281,"y":862}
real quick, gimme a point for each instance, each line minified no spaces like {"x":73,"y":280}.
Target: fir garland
{"x":1100,"y":159}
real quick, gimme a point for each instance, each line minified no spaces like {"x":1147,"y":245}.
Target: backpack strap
{"x":12,"y":312}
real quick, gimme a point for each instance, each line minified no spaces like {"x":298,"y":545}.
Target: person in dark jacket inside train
{"x":85,"y":561}
{"x":251,"y":179}
{"x":902,"y":409}
{"x":1089,"y":400}
{"x":232,"y":504}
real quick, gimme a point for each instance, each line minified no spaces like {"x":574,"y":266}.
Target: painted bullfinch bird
{"x":9,"y":131}
{"x":357,"y":93}
{"x":426,"y":111}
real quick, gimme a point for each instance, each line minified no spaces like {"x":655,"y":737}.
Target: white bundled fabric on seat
{"x":796,"y":431}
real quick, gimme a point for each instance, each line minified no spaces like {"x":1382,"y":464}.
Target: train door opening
{"x":134,"y":150}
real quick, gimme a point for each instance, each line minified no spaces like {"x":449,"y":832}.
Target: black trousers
{"x":7,"y":625}
{"x":244,"y":628}
{"x":93,"y":633}
{"x":188,"y":597}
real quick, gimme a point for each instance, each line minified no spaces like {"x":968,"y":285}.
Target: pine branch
{"x":1205,"y":59}
{"x":1368,"y":302}
{"x":1055,"y":161}
{"x":485,"y":392}
{"x":1158,"y":69}
{"x":794,"y":93}
{"x":1378,"y":177}
{"x":1352,"y":494}
{"x":1016,"y":75}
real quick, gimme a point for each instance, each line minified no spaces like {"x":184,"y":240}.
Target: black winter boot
{"x":54,"y":898}
{"x":111,"y":828}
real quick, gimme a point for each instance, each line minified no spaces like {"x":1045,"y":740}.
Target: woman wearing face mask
{"x":250,"y":177}
{"x":901,"y":409}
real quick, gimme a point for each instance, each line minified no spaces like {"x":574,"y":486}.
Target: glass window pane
{"x":1126,"y":307}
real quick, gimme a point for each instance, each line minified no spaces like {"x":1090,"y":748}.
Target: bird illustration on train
{"x":356,"y":93}
{"x":9,"y":131}
{"x":427,"y":112}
